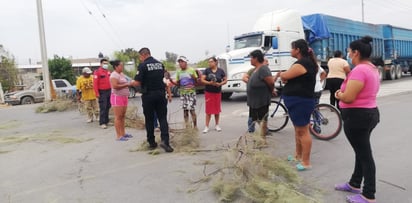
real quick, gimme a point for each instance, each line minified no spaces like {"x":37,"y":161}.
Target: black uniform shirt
{"x":151,"y":73}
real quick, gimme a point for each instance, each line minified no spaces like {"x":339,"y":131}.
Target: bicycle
{"x":325,"y":121}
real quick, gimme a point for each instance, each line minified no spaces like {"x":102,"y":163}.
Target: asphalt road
{"x":100,"y":169}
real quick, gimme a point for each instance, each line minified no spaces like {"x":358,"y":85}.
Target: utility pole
{"x":44,"y":62}
{"x":363,"y":12}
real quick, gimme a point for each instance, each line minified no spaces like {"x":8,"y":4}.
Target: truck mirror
{"x":274,"y":43}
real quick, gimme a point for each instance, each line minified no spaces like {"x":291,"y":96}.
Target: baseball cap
{"x":182,"y":58}
{"x":87,"y":70}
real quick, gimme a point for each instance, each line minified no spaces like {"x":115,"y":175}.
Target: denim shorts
{"x":299,"y":109}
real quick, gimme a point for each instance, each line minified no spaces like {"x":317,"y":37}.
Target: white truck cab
{"x":273,"y":33}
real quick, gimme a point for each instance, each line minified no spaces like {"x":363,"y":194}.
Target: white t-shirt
{"x":319,"y":84}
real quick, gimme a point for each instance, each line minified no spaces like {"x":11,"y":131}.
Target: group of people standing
{"x":352,"y":91}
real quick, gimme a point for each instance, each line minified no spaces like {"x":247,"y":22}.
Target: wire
{"x":109,"y":23}
{"x":101,"y":26}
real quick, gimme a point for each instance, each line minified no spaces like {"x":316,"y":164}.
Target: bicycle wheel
{"x":277,"y":116}
{"x":325,"y":122}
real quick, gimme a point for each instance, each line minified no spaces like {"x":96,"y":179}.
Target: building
{"x":29,"y":74}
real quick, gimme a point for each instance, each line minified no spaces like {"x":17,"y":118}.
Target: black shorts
{"x":259,"y":114}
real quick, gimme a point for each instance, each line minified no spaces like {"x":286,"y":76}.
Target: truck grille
{"x":222,"y":64}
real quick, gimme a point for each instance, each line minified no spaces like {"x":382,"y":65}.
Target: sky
{"x":196,"y":29}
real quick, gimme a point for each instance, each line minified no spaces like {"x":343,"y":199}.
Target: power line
{"x":109,"y":23}
{"x":101,"y":26}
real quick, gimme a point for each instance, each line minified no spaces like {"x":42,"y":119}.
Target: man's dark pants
{"x":155,"y":101}
{"x":104,"y":105}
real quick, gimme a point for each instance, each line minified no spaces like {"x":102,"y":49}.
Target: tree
{"x":8,"y":70}
{"x":202,"y":64}
{"x":61,"y":68}
{"x":170,"y":66}
{"x":133,"y":55}
{"x":171,"y":57}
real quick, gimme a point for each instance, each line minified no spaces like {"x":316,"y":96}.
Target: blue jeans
{"x":250,"y":125}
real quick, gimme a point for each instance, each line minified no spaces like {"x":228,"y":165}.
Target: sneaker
{"x":206,"y":130}
{"x":89,"y":120}
{"x":152,"y":146}
{"x":166,"y":147}
{"x":218,"y":129}
{"x":103,"y":126}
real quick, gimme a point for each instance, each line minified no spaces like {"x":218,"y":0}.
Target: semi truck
{"x":273,"y":33}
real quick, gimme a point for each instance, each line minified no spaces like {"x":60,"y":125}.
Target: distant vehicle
{"x":199,"y":86}
{"x":133,"y":89}
{"x":274,"y":31}
{"x":35,"y":93}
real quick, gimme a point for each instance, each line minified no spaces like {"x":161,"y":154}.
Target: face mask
{"x":349,"y":60}
{"x":105,"y":66}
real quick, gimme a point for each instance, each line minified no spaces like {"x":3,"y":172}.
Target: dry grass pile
{"x":182,"y":140}
{"x":248,"y":174}
{"x":57,"y":105}
{"x":133,"y":120}
{"x":9,"y":124}
{"x":50,"y":137}
{"x":185,"y":140}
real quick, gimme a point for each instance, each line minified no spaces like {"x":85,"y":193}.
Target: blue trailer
{"x":392,"y":46}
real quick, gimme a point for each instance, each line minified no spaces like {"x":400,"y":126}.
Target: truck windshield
{"x":248,"y":41}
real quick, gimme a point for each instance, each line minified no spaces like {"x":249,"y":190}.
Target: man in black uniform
{"x":150,"y":77}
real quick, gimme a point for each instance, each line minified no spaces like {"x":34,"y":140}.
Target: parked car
{"x":35,"y":93}
{"x":199,"y":86}
{"x":133,"y":89}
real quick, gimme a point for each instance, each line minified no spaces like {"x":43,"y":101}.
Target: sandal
{"x":293,"y":159}
{"x":358,"y":199}
{"x":127,"y":135}
{"x":123,"y":138}
{"x":347,"y":188}
{"x":301,"y":167}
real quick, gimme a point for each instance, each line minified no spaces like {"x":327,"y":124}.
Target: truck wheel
{"x":380,"y":69}
{"x":226,"y":95}
{"x":398,"y":72}
{"x":27,"y":100}
{"x":390,"y":75}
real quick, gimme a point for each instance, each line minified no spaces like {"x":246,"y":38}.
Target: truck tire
{"x":27,"y":100}
{"x":380,"y":70}
{"x":398,"y":72}
{"x":226,"y":95}
{"x":391,"y":74}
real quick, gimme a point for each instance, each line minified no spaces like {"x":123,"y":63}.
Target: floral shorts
{"x":188,"y":101}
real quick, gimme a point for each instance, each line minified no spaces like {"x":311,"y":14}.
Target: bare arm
{"x":346,"y":69}
{"x":245,"y":78}
{"x":270,"y":82}
{"x":295,"y":71}
{"x":353,"y":87}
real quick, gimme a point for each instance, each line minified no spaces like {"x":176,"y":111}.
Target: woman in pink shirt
{"x":119,"y":99}
{"x":360,"y":116}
